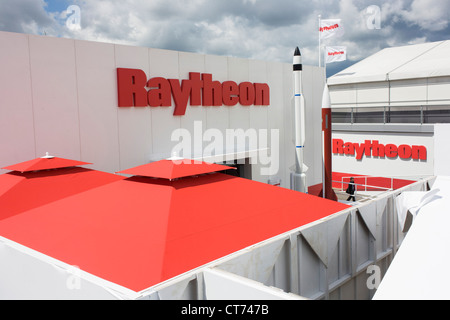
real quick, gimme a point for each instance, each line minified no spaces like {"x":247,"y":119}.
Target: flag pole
{"x":320,"y":54}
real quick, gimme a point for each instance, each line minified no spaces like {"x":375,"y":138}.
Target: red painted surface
{"x":44,"y":164}
{"x":139,"y":231}
{"x":327,"y":157}
{"x":20,"y":192}
{"x":173,"y":169}
{"x":381,"y":182}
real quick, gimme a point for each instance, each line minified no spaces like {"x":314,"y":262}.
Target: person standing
{"x":351,"y":189}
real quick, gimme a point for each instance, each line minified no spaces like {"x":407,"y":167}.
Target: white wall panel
{"x":409,"y":92}
{"x":258,"y":74}
{"x":163,"y":63}
{"x":438,"y":90}
{"x":238,"y":71}
{"x":310,"y":271}
{"x":16,"y":103}
{"x":259,"y":119}
{"x":275,"y":117}
{"x":441,"y":150}
{"x":135,"y":135}
{"x":96,"y":80}
{"x":55,"y":98}
{"x":389,"y":167}
{"x":217,"y":117}
{"x":30,"y":275}
{"x":221,"y":285}
{"x":191,"y":62}
{"x":372,"y":94}
{"x":343,"y":96}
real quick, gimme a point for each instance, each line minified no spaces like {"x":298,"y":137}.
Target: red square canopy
{"x":45,"y":163}
{"x":174,"y":169}
{"x":41,"y":181}
{"x":140,"y":231}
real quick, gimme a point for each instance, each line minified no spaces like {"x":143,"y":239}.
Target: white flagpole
{"x":320,"y":54}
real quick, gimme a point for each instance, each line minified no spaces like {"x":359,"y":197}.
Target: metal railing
{"x":394,"y":183}
{"x":359,"y":187}
{"x":365,"y":185}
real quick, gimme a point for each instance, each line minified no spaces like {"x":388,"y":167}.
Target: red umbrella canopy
{"x":173,"y":169}
{"x":31,"y":185}
{"x":45,"y":163}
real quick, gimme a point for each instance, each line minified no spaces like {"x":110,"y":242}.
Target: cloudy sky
{"x":260,"y":29}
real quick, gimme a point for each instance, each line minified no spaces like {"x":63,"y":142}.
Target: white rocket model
{"x":327,"y":187}
{"x":298,"y":178}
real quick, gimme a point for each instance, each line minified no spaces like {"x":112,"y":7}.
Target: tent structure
{"x":418,"y":270}
{"x":413,"y":75}
{"x":424,"y":60}
{"x":136,"y":232}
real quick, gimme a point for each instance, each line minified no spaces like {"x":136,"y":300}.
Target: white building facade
{"x":61,"y":96}
{"x":399,"y":100}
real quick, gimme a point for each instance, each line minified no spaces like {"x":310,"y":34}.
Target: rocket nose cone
{"x":326,"y":102}
{"x":297,"y":52}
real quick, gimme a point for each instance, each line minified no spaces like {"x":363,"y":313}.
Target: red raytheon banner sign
{"x":374,"y":149}
{"x":134,"y":90}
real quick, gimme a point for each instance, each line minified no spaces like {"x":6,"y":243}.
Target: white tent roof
{"x":407,"y":62}
{"x":418,"y":270}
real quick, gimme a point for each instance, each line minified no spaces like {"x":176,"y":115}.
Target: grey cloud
{"x":265,"y":29}
{"x":16,"y":15}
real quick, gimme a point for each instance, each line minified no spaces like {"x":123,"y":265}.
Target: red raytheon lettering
{"x":135,"y":91}
{"x":131,"y":87}
{"x":334,"y":26}
{"x":335,"y":53}
{"x":376,"y":150}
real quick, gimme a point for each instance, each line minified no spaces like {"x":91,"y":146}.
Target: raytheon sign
{"x":134,"y":90}
{"x":375,"y":149}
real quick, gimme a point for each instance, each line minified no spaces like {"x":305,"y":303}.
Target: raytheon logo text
{"x":335,"y":26}
{"x":377,"y":150}
{"x":134,"y":90}
{"x":335,"y":53}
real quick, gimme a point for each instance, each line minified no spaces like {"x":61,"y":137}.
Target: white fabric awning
{"x":418,"y":270}
{"x":407,"y":62}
